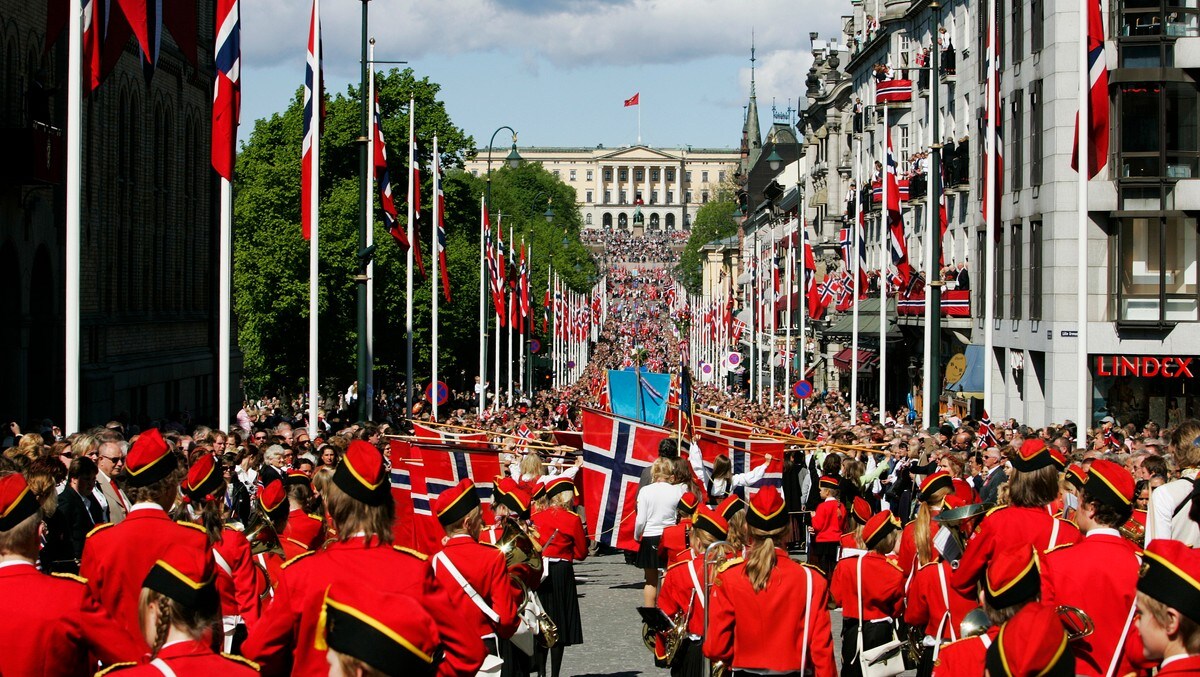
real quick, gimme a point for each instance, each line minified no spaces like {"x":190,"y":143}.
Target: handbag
{"x":881,"y":661}
{"x":529,"y":626}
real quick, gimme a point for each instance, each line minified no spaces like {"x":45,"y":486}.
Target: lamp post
{"x":364,"y":252}
{"x":513,"y":159}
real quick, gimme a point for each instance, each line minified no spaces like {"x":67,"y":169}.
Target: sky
{"x":557,"y":71}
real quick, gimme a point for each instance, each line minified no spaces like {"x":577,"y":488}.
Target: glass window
{"x":1168,"y":149}
{"x":721,"y":175}
{"x":607,"y":196}
{"x":608,"y":174}
{"x":670,"y":197}
{"x":670,"y":174}
{"x":687,"y":176}
{"x":589,"y":196}
{"x":999,"y":276}
{"x":1017,"y":269}
{"x":1035,"y":270}
{"x":687,"y":197}
{"x":703,"y":177}
{"x":639,"y":175}
{"x":704,"y":196}
{"x":654,"y":197}
{"x":622,"y":197}
{"x":589,"y":175}
{"x":1018,"y":31}
{"x":1036,"y":125}
{"x":623,"y":175}
{"x":1156,"y":273}
{"x":1037,"y":32}
{"x":1018,"y":140}
{"x":572,"y":174}
{"x":654,"y":174}
{"x":556,"y":174}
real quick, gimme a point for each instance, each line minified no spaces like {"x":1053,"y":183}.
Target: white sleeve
{"x":749,"y":479}
{"x":696,"y":458}
{"x":569,"y":471}
{"x":643,"y":509}
{"x":1159,"y":513}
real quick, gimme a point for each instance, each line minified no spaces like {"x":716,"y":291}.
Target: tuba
{"x":518,"y":547}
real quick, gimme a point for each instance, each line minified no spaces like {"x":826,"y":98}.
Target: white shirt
{"x":656,"y":508}
{"x":720,"y":488}
{"x":1161,"y":520}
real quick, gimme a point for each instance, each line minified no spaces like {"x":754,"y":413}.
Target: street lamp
{"x":774,"y":160}
{"x":513,"y":159}
{"x":549,"y":214}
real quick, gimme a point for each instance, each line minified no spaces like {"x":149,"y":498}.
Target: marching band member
{"x":475,"y":576}
{"x":733,"y":510}
{"x":656,"y":509}
{"x":1032,"y":644}
{"x":720,"y":481}
{"x":302,"y":526}
{"x":851,"y":543}
{"x":1025,"y":521}
{"x":1168,"y":603}
{"x":916,"y":543}
{"x":178,"y":605}
{"x":268,"y":519}
{"x":756,"y":625}
{"x":510,"y":504}
{"x":369,"y":633}
{"x":683,"y":590}
{"x":360,"y":503}
{"x":869,"y":587}
{"x":675,"y":538}
{"x":826,"y":529}
{"x":1103,"y":560}
{"x":563,"y":544}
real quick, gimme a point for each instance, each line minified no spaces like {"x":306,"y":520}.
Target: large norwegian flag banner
{"x":415,"y":526}
{"x":745,"y":455}
{"x":444,"y":467}
{"x":615,"y":452}
{"x":716,"y":425}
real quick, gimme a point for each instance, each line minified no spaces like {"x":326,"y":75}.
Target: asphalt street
{"x":612,"y":644}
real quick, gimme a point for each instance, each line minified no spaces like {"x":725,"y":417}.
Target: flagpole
{"x":858,"y":218}
{"x":225,"y":311}
{"x":74,"y":214}
{"x":318,"y":99}
{"x":932,"y":230}
{"x":413,"y":244}
{"x":639,"y":107}
{"x":436,"y":275}
{"x":1081,"y":255}
{"x":989,"y":238}
{"x":509,"y":371}
{"x":789,"y":273}
{"x":883,"y":266}
{"x":774,"y":311}
{"x":481,"y":387}
{"x":368,"y":388}
{"x":500,"y":279}
{"x":521,"y":306}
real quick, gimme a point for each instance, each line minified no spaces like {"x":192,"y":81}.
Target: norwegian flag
{"x":227,"y":87}
{"x":987,"y":438}
{"x":670,"y":297}
{"x":178,"y":16}
{"x":105,"y":33}
{"x":493,"y":268}
{"x":744,"y":455}
{"x":546,"y":311}
{"x":615,"y":452}
{"x":524,"y":435}
{"x":1110,"y":439}
{"x":597,"y":308}
{"x":312,"y":122}
{"x":816,"y":305}
{"x":440,"y":241}
{"x":899,"y":244}
{"x":415,"y":526}
{"x":845,"y":244}
{"x":825,"y":292}
{"x":384,"y":181}
{"x":559,"y":313}
{"x":992,"y":116}
{"x":1097,"y":152}
{"x":512,"y":277}
{"x":739,"y":328}
{"x":843,"y":287}
{"x":860,"y":289}
{"x":414,"y":186}
{"x":895,"y":281}
{"x":714,"y":425}
{"x":524,"y":284}
{"x":445,"y":465}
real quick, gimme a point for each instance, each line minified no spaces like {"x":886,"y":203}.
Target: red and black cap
{"x":1012,"y":577}
{"x":1058,"y":458}
{"x":204,"y":479}
{"x":361,"y":474}
{"x":1076,"y":475}
{"x":390,"y":632}
{"x":878,"y":527}
{"x":860,"y":510}
{"x":558,"y":485}
{"x":17,"y":502}
{"x":1033,"y":455}
{"x":294,"y":477}
{"x":935,"y":483}
{"x":273,"y":499}
{"x":828,"y":482}
{"x":457,"y":502}
{"x":1032,"y":643}
{"x":1112,"y":485}
{"x":688,"y":503}
{"x":732,"y":505}
{"x":1170,"y":573}
{"x":509,"y":494}
{"x":767,"y":511}
{"x":188,"y":576}
{"x":710,"y":521}
{"x":149,"y":460}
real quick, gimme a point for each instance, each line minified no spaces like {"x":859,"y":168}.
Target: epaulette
{"x":958,"y":641}
{"x":244,"y":661}
{"x":1058,"y":547}
{"x":814,"y":567}
{"x":994,"y":509}
{"x":419,"y":555}
{"x":99,"y":527}
{"x":193,"y":525}
{"x":894,"y":563}
{"x":314,"y":517}
{"x":922,"y":566}
{"x":296,"y":543}
{"x":295,"y":559}
{"x":489,"y":545}
{"x":729,"y":563}
{"x":72,"y":577}
{"x":117,"y":666}
{"x":672,"y":566}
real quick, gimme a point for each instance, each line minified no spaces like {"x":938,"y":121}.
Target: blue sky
{"x":556,"y":70}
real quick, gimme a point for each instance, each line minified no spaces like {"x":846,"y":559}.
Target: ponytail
{"x":760,"y":559}
{"x":922,"y":529}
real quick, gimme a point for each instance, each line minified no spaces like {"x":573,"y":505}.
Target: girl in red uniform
{"x":916,"y":543}
{"x":563,"y":543}
{"x":827,"y":522}
{"x":683,"y":589}
{"x":1168,"y":601}
{"x":870,"y":589}
{"x":767,"y":614}
{"x":851,"y":542}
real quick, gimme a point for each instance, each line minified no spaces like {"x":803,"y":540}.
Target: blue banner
{"x":639,"y":395}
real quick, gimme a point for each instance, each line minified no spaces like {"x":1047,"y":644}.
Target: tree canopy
{"x":714,"y":221}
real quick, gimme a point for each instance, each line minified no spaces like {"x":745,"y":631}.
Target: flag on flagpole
{"x":384,"y":180}
{"x":312,"y":125}
{"x":615,"y":452}
{"x":546,"y":311}
{"x":227,"y":92}
{"x":1097,"y":152}
{"x":899,"y":244}
{"x":440,"y":243}
{"x":414,"y":176}
{"x":992,"y":116}
{"x":633,"y":100}
{"x":524,"y":284}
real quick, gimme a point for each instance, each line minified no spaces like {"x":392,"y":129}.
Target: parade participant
{"x":851,"y":543}
{"x":756,"y":623}
{"x":1025,"y":521}
{"x":1032,"y":644}
{"x":675,"y":538}
{"x":1103,"y":560}
{"x":1012,"y":580}
{"x":117,"y":557}
{"x":42,"y":610}
{"x":303,"y":525}
{"x":268,"y":520}
{"x":360,"y":503}
{"x":510,"y":505}
{"x":369,"y":633}
{"x":1174,"y":509}
{"x":916,"y":543}
{"x":1168,"y":603}
{"x":828,"y":520}
{"x":683,"y":589}
{"x":178,"y":606}
{"x":870,"y":590}
{"x":733,"y":510}
{"x":1073,"y":479}
{"x":238,"y":581}
{"x":563,"y":544}
{"x":475,"y":576}
{"x":720,"y":481}
{"x":656,"y":508}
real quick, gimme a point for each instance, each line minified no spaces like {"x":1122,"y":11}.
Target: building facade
{"x":148,"y":234}
{"x":671,"y":183}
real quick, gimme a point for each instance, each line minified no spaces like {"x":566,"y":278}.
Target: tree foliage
{"x":714,"y":221}
{"x":271,"y":256}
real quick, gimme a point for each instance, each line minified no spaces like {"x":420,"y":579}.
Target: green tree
{"x":714,"y":221}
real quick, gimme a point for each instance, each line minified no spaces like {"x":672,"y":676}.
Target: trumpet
{"x":1075,"y":621}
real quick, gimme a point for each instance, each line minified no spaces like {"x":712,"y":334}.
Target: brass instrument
{"x":975,"y":623}
{"x":518,"y":547}
{"x":263,"y":538}
{"x":672,"y":639}
{"x":1075,"y":621}
{"x":547,"y":628}
{"x":1134,"y":531}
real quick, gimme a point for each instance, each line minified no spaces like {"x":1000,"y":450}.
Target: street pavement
{"x":612,"y":643}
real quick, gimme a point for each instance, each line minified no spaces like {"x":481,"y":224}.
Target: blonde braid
{"x":163,"y":625}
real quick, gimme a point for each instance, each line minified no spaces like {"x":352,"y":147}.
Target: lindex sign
{"x":1146,"y":366}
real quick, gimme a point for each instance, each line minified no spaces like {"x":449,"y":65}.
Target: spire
{"x":753,"y":133}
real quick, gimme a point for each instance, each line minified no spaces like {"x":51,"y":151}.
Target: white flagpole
{"x":989,"y":237}
{"x":773,"y":354}
{"x":932,"y":274}
{"x":496,"y":352}
{"x":73,"y":213}
{"x":224,"y":329}
{"x":1082,"y":392}
{"x":314,"y":204}
{"x":483,"y":292}
{"x":857,"y":273}
{"x":412,"y":241}
{"x":511,"y":320}
{"x":790,"y":279}
{"x":883,"y":266}
{"x":524,"y":320}
{"x":435,"y":276}
{"x":368,"y":389}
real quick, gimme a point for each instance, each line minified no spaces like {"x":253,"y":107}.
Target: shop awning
{"x":868,"y":360}
{"x":971,"y":383}
{"x":868,"y":322}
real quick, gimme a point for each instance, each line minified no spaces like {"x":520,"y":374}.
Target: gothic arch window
{"x":588,"y":219}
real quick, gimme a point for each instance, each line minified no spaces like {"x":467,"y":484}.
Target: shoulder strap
{"x":1191,"y":495}
{"x":1053,"y":534}
{"x":443,"y":560}
{"x":699,"y":589}
{"x":861,"y":620}
{"x":1116,"y":657}
{"x":808,"y":598}
{"x":221,"y":562}
{"x":161,"y":665}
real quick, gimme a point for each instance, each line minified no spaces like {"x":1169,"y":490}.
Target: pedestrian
{"x":304,"y":525}
{"x":656,"y":510}
{"x":828,"y":522}
{"x":1174,"y":509}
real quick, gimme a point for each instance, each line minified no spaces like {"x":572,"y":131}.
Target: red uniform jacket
{"x":1182,"y":666}
{"x":827,"y":521}
{"x":1099,"y":575}
{"x":680,"y":591}
{"x":674,"y":539}
{"x":907,"y":555}
{"x":849,"y":541}
{"x":44,"y":629}
{"x":519,"y":573}
{"x":883,"y":587}
{"x":272,"y":562}
{"x":927,"y":601}
{"x":191,"y":659}
{"x":966,"y":656}
{"x":306,"y":528}
{"x":765,"y":630}
{"x":237,"y":578}
{"x":485,"y":569}
{"x":117,"y":558}
{"x":282,"y":640}
{"x":1010,"y":527}
{"x":561,"y":534}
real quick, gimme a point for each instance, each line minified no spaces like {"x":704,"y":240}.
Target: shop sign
{"x":1144,"y":366}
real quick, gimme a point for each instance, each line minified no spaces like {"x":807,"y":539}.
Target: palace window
{"x":589,"y":197}
{"x":589,"y":175}
{"x":572,"y":174}
{"x":607,"y":197}
{"x":703,"y":177}
{"x":623,"y":194}
{"x":654,"y":174}
{"x":654,"y":197}
{"x":639,"y":175}
{"x":608,"y":174}
{"x":623,"y":175}
{"x":670,"y":174}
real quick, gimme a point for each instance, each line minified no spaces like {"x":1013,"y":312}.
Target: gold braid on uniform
{"x":163,"y":626}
